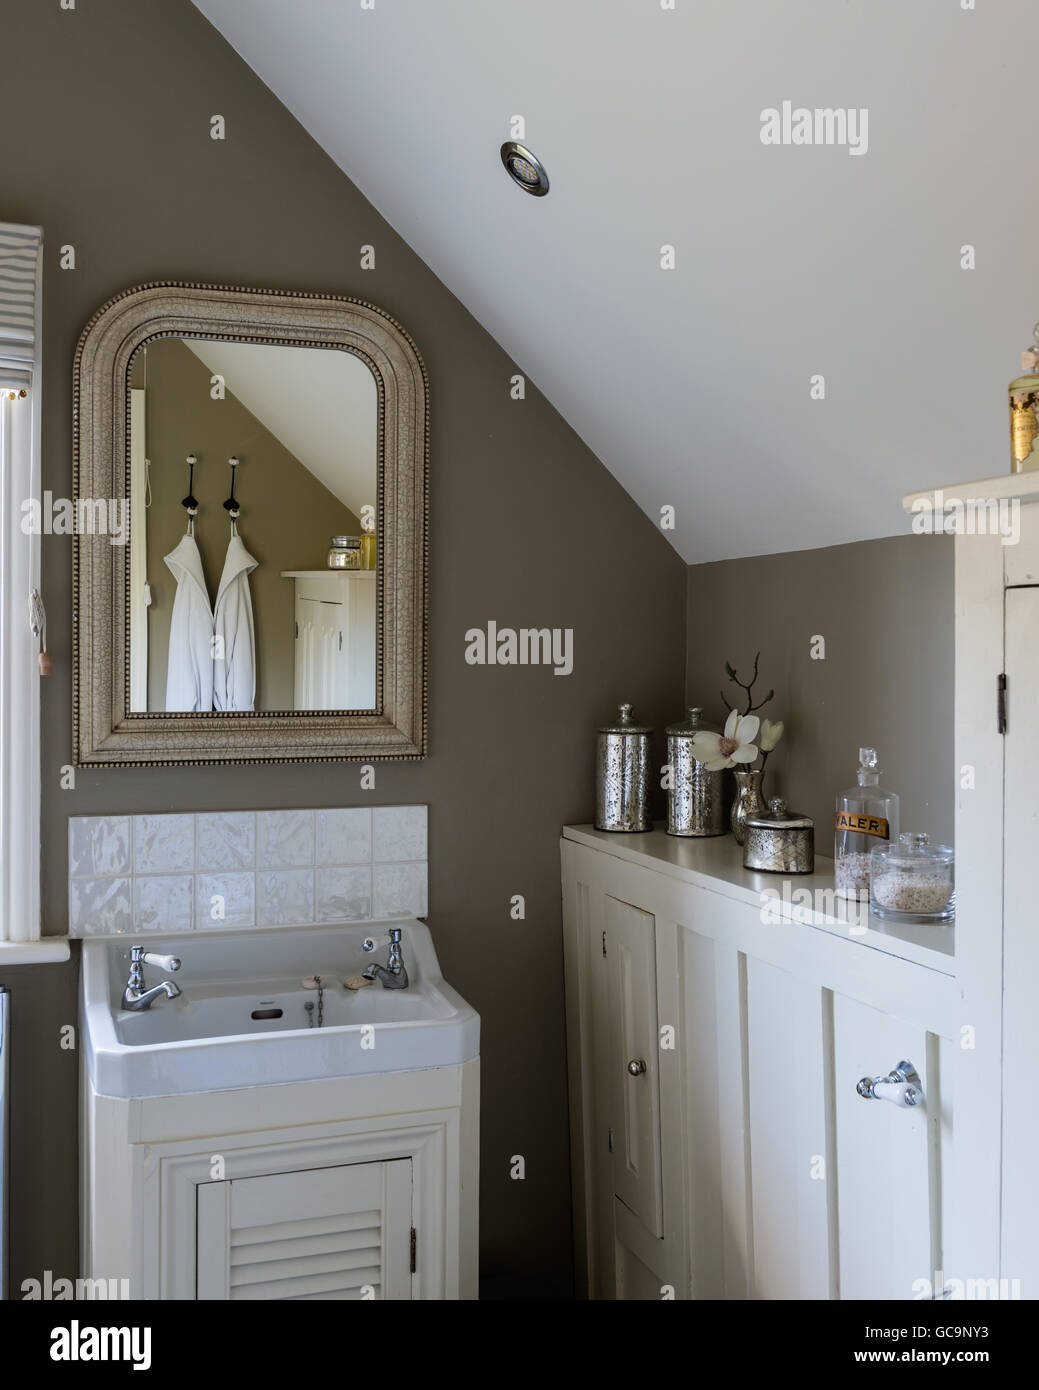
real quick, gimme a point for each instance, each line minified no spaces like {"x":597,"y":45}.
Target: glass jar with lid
{"x":344,"y":553}
{"x":912,"y":880}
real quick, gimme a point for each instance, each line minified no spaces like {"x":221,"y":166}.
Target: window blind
{"x":20,"y":249}
{"x":20,"y":270}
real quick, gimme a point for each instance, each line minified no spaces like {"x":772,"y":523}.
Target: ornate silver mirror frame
{"x":104,"y":731}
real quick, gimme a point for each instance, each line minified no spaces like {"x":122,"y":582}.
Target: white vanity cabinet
{"x":267,"y":1133}
{"x":349,"y":1188}
{"x":334,"y":617}
{"x":720,"y":1147}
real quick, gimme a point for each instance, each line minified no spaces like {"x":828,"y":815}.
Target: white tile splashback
{"x":221,"y":869}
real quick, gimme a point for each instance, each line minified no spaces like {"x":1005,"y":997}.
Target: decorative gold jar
{"x":1023,"y":396}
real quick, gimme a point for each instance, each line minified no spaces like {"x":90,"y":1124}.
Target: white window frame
{"x":19,"y":669}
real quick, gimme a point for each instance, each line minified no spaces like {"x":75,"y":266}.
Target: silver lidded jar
{"x":779,"y":841}
{"x":622,"y":775}
{"x":695,"y":796}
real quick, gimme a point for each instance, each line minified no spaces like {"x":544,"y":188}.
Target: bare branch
{"x":748,"y":686}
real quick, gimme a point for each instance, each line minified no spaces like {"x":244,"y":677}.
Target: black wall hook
{"x":231,"y":504}
{"x":190,"y":503}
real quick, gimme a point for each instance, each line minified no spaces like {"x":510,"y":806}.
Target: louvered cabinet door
{"x":322,"y":1233}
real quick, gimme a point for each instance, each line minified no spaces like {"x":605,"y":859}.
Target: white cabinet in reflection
{"x":335,"y":639}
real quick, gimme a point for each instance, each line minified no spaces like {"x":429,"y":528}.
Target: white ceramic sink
{"x":241,"y":1018}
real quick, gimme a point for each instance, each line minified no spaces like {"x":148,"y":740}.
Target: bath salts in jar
{"x":912,"y":880}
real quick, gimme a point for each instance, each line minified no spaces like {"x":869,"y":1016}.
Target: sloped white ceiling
{"x":322,"y":405}
{"x":693,"y":384}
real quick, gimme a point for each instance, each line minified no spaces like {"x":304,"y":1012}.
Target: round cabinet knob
{"x":636,"y":1068}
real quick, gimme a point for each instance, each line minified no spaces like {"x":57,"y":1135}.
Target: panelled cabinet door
{"x":318,"y":640}
{"x":888,"y":1158}
{"x":633,"y":1086}
{"x":320,"y":1233}
{"x":336,"y":641}
{"x":786,"y":1133}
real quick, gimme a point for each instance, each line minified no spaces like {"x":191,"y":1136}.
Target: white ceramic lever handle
{"x":897,"y":1092}
{"x":170,"y":963}
{"x":901,"y":1087}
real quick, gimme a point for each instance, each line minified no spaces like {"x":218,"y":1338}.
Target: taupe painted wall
{"x":885,"y":609}
{"x":286,"y":521}
{"x":111,"y":103}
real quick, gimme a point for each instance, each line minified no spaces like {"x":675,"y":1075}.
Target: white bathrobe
{"x":234,"y":664}
{"x":189,"y":673}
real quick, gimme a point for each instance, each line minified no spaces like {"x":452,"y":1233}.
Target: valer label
{"x":862,"y":825}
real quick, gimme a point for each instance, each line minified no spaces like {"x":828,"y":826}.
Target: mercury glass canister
{"x":622,"y":775}
{"x":695,"y":796}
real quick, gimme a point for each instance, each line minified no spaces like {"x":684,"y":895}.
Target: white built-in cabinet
{"x":720,"y":1147}
{"x":997,"y":832}
{"x":334,"y":638}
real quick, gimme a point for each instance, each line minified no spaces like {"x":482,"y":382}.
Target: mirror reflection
{"x":253,"y":528}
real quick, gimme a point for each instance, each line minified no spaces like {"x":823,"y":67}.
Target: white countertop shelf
{"x":1023,"y":486}
{"x":716,"y":863}
{"x":328,"y":574}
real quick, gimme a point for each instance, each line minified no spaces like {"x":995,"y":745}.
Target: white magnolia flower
{"x":733,"y":746}
{"x":770,"y":734}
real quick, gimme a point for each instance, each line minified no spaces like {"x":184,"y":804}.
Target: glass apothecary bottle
{"x":866,"y":813}
{"x":912,"y":880}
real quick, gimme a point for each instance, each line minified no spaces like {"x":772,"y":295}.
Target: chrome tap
{"x":392,"y":975}
{"x":135,"y":996}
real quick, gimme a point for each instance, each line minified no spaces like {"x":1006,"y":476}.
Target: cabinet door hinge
{"x":610,"y":1139}
{"x":1001,"y":703}
{"x":414,"y":1244}
{"x":604,"y":943}
{"x":297,"y":632}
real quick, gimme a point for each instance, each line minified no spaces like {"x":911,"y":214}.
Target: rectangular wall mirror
{"x":262,"y":593}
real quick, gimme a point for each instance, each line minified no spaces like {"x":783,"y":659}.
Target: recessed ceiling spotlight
{"x":525,"y":168}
